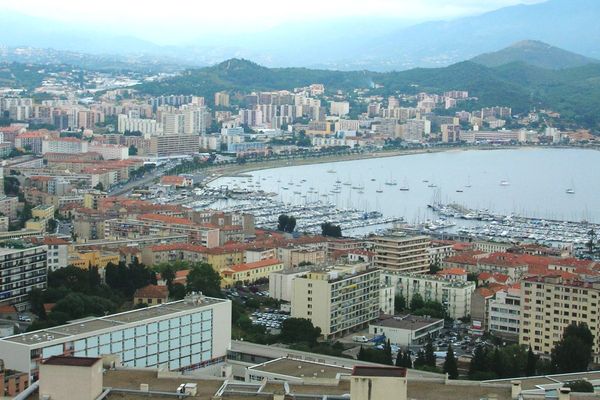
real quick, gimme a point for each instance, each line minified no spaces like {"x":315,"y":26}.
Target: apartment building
{"x":64,"y":145}
{"x":550,"y":304}
{"x":174,"y":144}
{"x":440,"y":250}
{"x":181,"y":335}
{"x":402,"y":252}
{"x":21,"y":270}
{"x":338,"y":299}
{"x":249,"y":273}
{"x":505,"y":313}
{"x":453,"y":294}
{"x":294,"y":256}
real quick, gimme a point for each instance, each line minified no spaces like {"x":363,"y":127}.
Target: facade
{"x":181,"y":335}
{"x":175,"y":144}
{"x":337,"y":299}
{"x":293,"y":256}
{"x":64,"y":145}
{"x":60,"y":372}
{"x":250,"y":272}
{"x":151,"y":295}
{"x":281,"y":283}
{"x":454,"y":295}
{"x":370,"y":383}
{"x":21,"y":270}
{"x":552,"y":303}
{"x":402,"y":252}
{"x":406,"y":330}
{"x":505,"y":313}
{"x":438,"y":251}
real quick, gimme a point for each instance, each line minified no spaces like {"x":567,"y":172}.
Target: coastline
{"x":240,"y":169}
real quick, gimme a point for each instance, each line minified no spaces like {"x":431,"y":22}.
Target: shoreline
{"x":240,"y":169}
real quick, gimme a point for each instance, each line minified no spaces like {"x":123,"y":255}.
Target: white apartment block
{"x":552,"y":303}
{"x":504,"y":313}
{"x":339,"y":108}
{"x":402,"y":252}
{"x":181,"y":336}
{"x":453,"y":294}
{"x":147,"y":127}
{"x":64,"y":145}
{"x":21,"y":270}
{"x":338,"y":299}
{"x":109,"y":151}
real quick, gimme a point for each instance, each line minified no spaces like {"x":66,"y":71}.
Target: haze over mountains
{"x":349,"y":44}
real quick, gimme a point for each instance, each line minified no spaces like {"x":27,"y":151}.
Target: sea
{"x":529,"y":182}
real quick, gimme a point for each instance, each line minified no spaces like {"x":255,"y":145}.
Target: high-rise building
{"x":550,"y":304}
{"x":21,"y":270}
{"x":222,"y":99}
{"x":339,"y":298}
{"x":339,"y":108}
{"x":402,"y":252}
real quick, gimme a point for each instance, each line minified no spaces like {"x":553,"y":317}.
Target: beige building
{"x":292,"y":257}
{"x":454,"y":294}
{"x":552,"y":303}
{"x":338,"y":299}
{"x":58,"y":373}
{"x":402,"y":252}
{"x":374,"y":383}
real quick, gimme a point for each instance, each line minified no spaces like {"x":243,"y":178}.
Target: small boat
{"x":431,"y":185}
{"x":285,"y":188}
{"x":346,"y":183}
{"x":570,"y":191}
{"x":425,"y":181}
{"x":331,"y":171}
{"x":380,"y":190}
{"x":459,"y":190}
{"x":404,"y":186}
{"x":373,"y":179}
{"x":504,"y":182}
{"x":468,"y":185}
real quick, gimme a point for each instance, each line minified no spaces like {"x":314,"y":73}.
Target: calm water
{"x":536,"y":183}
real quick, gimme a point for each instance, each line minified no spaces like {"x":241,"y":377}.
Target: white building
{"x":454,"y":295}
{"x":147,"y":127}
{"x":281,"y":283}
{"x":181,"y":335}
{"x":64,"y":145}
{"x":505,"y":313}
{"x":109,"y":151}
{"x":406,"y":330}
{"x":339,"y":108}
{"x":21,"y":270}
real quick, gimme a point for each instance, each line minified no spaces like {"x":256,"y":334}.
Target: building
{"x":339,"y":108}
{"x":406,"y":330}
{"x":281,"y":283}
{"x":59,"y":373}
{"x":505,"y":313}
{"x":151,"y":295}
{"x":250,"y":272}
{"x":66,"y":145}
{"x":174,"y":144}
{"x":371,"y":383}
{"x":21,"y":270}
{"x":439,"y":250}
{"x":337,"y":299}
{"x":181,"y":335}
{"x":454,"y":295}
{"x":550,"y":304}
{"x":295,"y":256}
{"x":402,"y":252}
{"x":480,"y":307}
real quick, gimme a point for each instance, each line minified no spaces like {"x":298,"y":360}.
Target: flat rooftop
{"x":301,"y":369}
{"x":408,"y":322}
{"x":109,"y":321}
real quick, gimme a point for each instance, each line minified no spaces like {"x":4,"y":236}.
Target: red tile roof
{"x":152,"y":292}
{"x":452,"y":271}
{"x":166,"y":219}
{"x":254,"y":265}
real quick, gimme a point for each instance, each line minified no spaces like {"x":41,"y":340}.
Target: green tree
{"x":429,"y":354}
{"x":133,"y":151}
{"x":421,"y":360}
{"x":450,"y":364}
{"x":399,"y":303}
{"x":99,"y":186}
{"x":387,"y":350}
{"x":574,"y":351}
{"x":297,"y":330}
{"x":407,"y":360}
{"x":177,"y":291}
{"x":203,"y":278}
{"x":531,"y":363}
{"x":580,"y":386}
{"x":416,"y":302}
{"x":399,"y":359}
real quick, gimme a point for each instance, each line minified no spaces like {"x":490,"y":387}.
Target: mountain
{"x":573,"y":92}
{"x":568,"y":24}
{"x":535,"y":53}
{"x":356,"y":43}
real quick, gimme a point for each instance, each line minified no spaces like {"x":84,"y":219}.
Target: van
{"x":360,"y":339}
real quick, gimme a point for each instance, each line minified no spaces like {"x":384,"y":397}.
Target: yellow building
{"x":92,"y":198}
{"x":94,"y":258}
{"x":36,"y":224}
{"x":251,"y":272}
{"x":44,"y":211}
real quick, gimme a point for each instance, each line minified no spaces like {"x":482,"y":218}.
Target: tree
{"x":328,"y":229}
{"x":298,"y":330}
{"x":416,"y":302}
{"x":286,"y":223}
{"x":407,"y":360}
{"x":450,"y":365}
{"x":177,"y":291}
{"x":387,"y":350}
{"x":167,"y":273}
{"x":420,"y":361}
{"x":399,"y":359}
{"x":530,"y":368}
{"x":429,"y":354}
{"x":99,"y":186}
{"x":133,"y":151}
{"x":399,"y":303}
{"x":203,"y":278}
{"x":52,"y":224}
{"x":580,"y":386}
{"x":574,"y":352}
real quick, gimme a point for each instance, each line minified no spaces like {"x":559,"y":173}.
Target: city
{"x":188,"y":227}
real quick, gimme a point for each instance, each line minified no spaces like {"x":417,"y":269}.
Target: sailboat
{"x":380,"y":190}
{"x":468,"y":185}
{"x":504,"y":182}
{"x":391,"y":181}
{"x":571,"y":189}
{"x":404,"y":186}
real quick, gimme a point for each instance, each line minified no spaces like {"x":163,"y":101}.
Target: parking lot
{"x":270,"y":320}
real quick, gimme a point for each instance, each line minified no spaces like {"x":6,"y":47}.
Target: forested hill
{"x":573,"y":92}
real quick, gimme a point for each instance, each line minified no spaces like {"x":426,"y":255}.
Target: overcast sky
{"x":174,"y":20}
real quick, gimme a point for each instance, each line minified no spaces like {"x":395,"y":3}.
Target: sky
{"x":175,"y":21}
